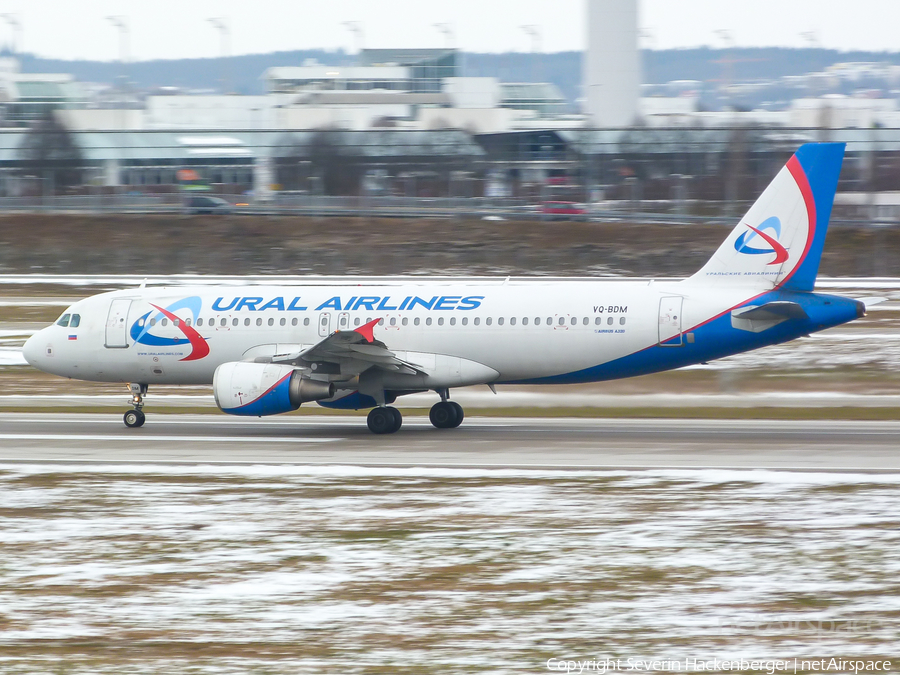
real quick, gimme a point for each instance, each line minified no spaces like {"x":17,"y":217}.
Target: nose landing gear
{"x":136,"y":418}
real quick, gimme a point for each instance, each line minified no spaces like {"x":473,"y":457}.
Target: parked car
{"x":203,"y":204}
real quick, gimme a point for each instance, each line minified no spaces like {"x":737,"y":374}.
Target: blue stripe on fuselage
{"x":717,"y":339}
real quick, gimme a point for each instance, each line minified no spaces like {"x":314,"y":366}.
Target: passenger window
{"x":76,"y":321}
{"x":246,"y":322}
{"x":416,"y":321}
{"x":187,"y":322}
{"x":428,"y":321}
{"x":562,"y":321}
{"x":283,"y":322}
{"x":441,"y":321}
{"x":586,"y":321}
{"x":63,"y":320}
{"x":525,"y":321}
{"x":549,"y":320}
{"x":152,"y":322}
{"x":356,"y":321}
{"x":477,"y":321}
{"x":598,"y":320}
{"x":574,"y":321}
{"x":405,"y":321}
{"x":212,"y":321}
{"x":512,"y":321}
{"x":306,"y":322}
{"x":500,"y":321}
{"x":165,"y":322}
{"x":489,"y":321}
{"x":609,"y":321}
{"x":394,"y":322}
{"x":465,"y":321}
{"x":235,"y":322}
{"x":259,"y":322}
{"x":271,"y":322}
{"x":199,"y":322}
{"x":175,"y":322}
{"x":622,"y":321}
{"x":223,"y":322}
{"x":380,"y":322}
{"x":452,"y":320}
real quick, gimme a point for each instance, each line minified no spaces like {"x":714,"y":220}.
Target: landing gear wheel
{"x":460,"y":413}
{"x":444,"y":415}
{"x":384,"y":420}
{"x":398,"y":419}
{"x":134,"y":418}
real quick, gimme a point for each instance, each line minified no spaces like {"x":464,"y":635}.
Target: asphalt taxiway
{"x":482,"y":442}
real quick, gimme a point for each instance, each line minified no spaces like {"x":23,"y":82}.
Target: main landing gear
{"x":136,"y":418}
{"x":447,"y":414}
{"x":384,"y":420}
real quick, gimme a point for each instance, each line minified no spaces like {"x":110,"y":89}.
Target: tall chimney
{"x":612,"y":64}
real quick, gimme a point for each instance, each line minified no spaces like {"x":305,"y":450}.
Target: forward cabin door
{"x":670,"y":322}
{"x":117,"y":324}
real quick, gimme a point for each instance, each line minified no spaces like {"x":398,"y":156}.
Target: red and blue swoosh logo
{"x":743,"y":244}
{"x":141,"y":329}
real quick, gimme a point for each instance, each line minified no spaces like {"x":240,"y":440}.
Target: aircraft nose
{"x":31,"y":350}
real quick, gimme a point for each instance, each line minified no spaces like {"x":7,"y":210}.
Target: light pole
{"x":16,"y":25}
{"x":121,"y":23}
{"x":535,"y":35}
{"x":355,"y":27}
{"x":221,"y":25}
{"x":447,"y":30}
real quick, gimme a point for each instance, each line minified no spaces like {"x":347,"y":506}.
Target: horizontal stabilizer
{"x":870,"y":302}
{"x":762,"y":317}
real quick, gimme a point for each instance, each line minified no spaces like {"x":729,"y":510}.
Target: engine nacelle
{"x":258,"y":389}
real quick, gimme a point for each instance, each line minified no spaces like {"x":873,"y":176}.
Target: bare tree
{"x":336,"y":162}
{"x":49,"y":152}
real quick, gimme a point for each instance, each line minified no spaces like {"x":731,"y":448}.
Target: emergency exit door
{"x":324,"y":324}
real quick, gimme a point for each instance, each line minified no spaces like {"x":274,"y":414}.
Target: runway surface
{"x":480,"y":442}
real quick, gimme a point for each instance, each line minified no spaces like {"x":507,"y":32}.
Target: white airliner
{"x":268,"y":349}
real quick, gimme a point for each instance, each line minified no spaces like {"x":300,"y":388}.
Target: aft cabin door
{"x":117,"y":323}
{"x":670,"y":322}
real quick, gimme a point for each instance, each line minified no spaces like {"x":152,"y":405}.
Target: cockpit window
{"x":63,"y":320}
{"x":76,"y":321}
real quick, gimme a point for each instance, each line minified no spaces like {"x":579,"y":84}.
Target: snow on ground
{"x":292,"y":569}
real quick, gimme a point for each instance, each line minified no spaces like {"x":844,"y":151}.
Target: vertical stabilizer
{"x":779,"y":243}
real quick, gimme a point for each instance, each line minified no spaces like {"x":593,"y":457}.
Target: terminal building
{"x":409,"y":121}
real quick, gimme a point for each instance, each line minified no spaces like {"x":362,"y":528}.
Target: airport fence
{"x":484,"y":208}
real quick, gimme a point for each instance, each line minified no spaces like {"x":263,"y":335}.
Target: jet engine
{"x":258,"y":389}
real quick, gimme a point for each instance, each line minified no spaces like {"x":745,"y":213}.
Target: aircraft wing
{"x":349,"y":353}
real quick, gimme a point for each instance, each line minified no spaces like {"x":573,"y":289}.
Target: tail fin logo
{"x":743,"y":243}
